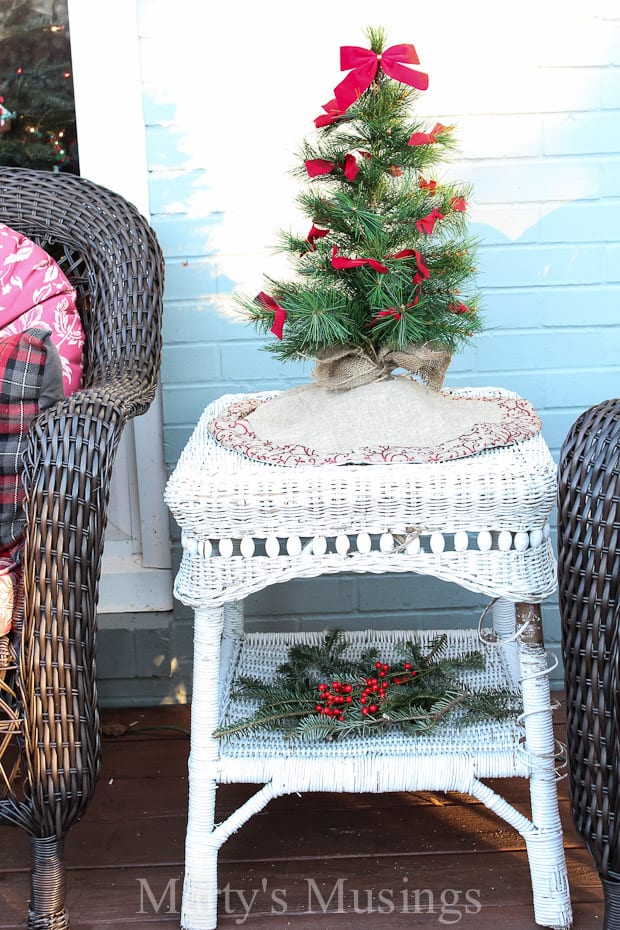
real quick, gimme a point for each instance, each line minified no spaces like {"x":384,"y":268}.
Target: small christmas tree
{"x":385,"y":271}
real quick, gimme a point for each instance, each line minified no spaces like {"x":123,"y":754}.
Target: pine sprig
{"x":321,"y":692}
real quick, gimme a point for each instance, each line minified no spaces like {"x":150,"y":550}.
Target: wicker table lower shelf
{"x":439,"y":760}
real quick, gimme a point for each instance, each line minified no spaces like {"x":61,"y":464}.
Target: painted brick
{"x":156,"y":109}
{"x":586,"y":221}
{"x":193,"y":363}
{"x":610,"y":89}
{"x":501,"y":223}
{"x":530,"y":308}
{"x":568,"y":88}
{"x":417,"y":593}
{"x":500,"y":136}
{"x":612,"y":262}
{"x":152,"y":653}
{"x":580,"y":222}
{"x":522,"y":265}
{"x":258,"y":364}
{"x":192,"y":279}
{"x":583,"y":388}
{"x":518,"y":350}
{"x":175,"y":439}
{"x":164,"y":149}
{"x":610,"y":176}
{"x":185,"y":236}
{"x":186,"y":404}
{"x":336,"y":594}
{"x":556,"y":424}
{"x":571,"y":41}
{"x":576,"y":134}
{"x":205,"y":324}
{"x":546,"y":180}
{"x":174,"y":191}
{"x":116,"y":653}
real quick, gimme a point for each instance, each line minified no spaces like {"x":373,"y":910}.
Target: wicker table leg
{"x":199,"y":908}
{"x":545,"y":847}
{"x":232,"y":633}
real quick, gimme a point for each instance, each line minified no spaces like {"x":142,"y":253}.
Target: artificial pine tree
{"x":387,"y":265}
{"x":36,"y":85}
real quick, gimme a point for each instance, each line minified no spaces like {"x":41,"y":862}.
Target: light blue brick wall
{"x":541,"y":147}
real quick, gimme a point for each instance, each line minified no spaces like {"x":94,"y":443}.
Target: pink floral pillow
{"x":34,"y":292}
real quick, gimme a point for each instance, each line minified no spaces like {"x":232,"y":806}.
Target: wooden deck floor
{"x":317,"y":862}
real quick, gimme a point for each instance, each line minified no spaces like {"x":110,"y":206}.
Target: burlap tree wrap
{"x":342,"y":368}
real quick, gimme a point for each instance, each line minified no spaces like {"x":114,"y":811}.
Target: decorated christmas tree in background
{"x":385,"y":271}
{"x":37,"y":112}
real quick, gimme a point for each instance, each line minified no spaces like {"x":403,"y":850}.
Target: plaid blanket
{"x":22,"y":365}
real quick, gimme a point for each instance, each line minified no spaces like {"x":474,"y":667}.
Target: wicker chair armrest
{"x":67,"y":471}
{"x":68,"y":465}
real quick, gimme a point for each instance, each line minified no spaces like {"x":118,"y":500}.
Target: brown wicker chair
{"x":589,"y":591}
{"x":111,"y":255}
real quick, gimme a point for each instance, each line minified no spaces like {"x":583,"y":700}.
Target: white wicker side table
{"x":480,"y":522}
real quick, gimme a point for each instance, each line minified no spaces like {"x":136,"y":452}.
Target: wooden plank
{"x":273,"y":835}
{"x":137,"y":718}
{"x":383,"y":887}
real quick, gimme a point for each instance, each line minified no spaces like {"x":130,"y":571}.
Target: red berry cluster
{"x":335,"y":699}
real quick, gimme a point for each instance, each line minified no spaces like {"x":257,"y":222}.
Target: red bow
{"x":423,"y":269}
{"x":458,"y":308}
{"x":365,"y":64}
{"x":338,"y":262}
{"x":458,"y":203}
{"x":405,"y":253}
{"x":319,"y":166}
{"x":280,"y":313}
{"x":314,"y":234}
{"x":427,"y":223}
{"x":331,"y":115}
{"x":391,"y":311}
{"x":426,"y":138}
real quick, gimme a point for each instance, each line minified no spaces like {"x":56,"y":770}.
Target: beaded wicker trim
{"x":519,"y":421}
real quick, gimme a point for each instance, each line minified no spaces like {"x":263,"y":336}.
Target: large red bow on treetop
{"x":339,"y":262}
{"x":280,"y":313}
{"x":365,"y":63}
